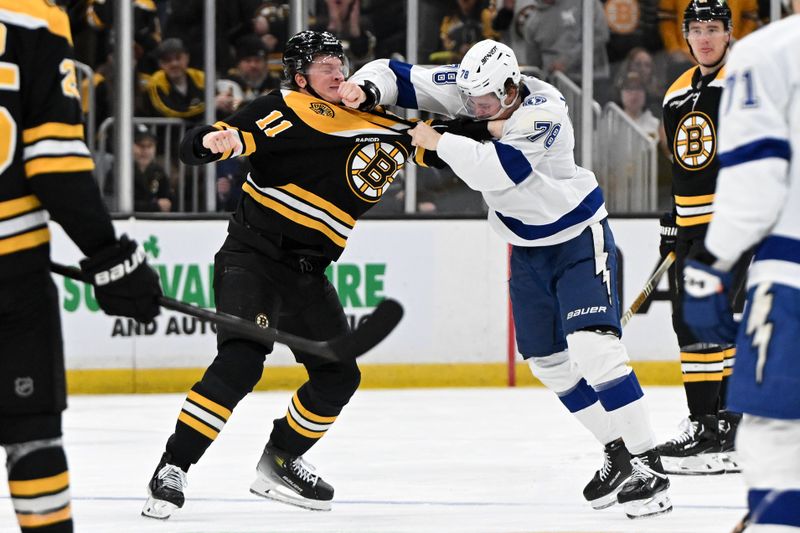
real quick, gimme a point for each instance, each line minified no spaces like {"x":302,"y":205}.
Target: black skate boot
{"x":165,"y":490}
{"x":645,"y":493}
{"x":289,"y":479}
{"x":728,"y":424}
{"x":695,"y":450}
{"x":601,"y":491}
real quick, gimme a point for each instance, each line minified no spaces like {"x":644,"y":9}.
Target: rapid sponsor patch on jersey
{"x":372,"y":167}
{"x":695,"y":141}
{"x":535,"y":99}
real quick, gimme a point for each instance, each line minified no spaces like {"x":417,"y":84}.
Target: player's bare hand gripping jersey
{"x":45,"y":166}
{"x":536,"y":193}
{"x":758,"y":190}
{"x":317,"y":167}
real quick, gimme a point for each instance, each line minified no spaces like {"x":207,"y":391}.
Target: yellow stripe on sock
{"x":304,"y":432}
{"x":35,"y":487}
{"x":198,"y":426}
{"x":40,"y":520}
{"x":309,"y":415}
{"x":702,"y":376}
{"x":214,"y":407}
{"x":690,"y":357}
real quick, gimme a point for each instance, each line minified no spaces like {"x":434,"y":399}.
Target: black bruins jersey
{"x":316,"y":167}
{"x":690,"y":120}
{"x":45,"y":166}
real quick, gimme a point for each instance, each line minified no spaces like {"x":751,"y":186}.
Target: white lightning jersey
{"x":537,"y":195}
{"x":758,"y":189}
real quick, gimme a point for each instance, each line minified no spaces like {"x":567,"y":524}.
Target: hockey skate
{"x":165,"y":490}
{"x":601,"y":491}
{"x":645,"y":493}
{"x":728,"y":424}
{"x":289,"y":479}
{"x":695,"y":451}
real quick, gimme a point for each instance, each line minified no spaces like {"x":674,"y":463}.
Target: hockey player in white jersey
{"x":757,"y":202}
{"x":563,"y":261}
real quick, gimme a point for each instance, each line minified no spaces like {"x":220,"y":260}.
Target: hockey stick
{"x":349,"y":346}
{"x":649,"y":287}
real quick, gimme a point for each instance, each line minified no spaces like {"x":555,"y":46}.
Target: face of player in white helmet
{"x":488,"y":106}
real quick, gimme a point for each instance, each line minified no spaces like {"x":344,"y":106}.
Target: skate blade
{"x":730,"y":462}
{"x":704,"y":464}
{"x":658,"y":504}
{"x":609,"y":500}
{"x":272,"y":491}
{"x":158,"y":509}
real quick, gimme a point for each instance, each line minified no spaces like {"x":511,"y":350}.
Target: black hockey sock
{"x":702,"y":372}
{"x":38,"y":480}
{"x":204,"y":413}
{"x":306,"y":421}
{"x":730,"y":358}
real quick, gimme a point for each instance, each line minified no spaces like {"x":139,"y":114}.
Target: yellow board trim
{"x":40,"y":520}
{"x":198,"y":426}
{"x":319,"y":202}
{"x":687,"y":201}
{"x":35,"y":487}
{"x":303,"y":431}
{"x":309,"y":415}
{"x":47,"y":165}
{"x":24,"y":241}
{"x":373,"y":376}
{"x":14,"y":207}
{"x":715,"y":357}
{"x":702,"y":377}
{"x":57,"y":130}
{"x":214,"y":407}
{"x":294,"y":216}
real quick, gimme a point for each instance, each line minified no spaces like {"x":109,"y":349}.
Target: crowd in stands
{"x":638,"y":47}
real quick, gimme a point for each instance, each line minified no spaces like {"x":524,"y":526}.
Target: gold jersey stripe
{"x":214,"y":407}
{"x":693,"y":221}
{"x":687,"y":201}
{"x":50,"y":15}
{"x":249,"y":143}
{"x":340,"y":119}
{"x":37,"y":487}
{"x":17,"y":206}
{"x":320,"y":202}
{"x":309,"y":415}
{"x":702,"y":376}
{"x":304,"y":432}
{"x":48,"y":165}
{"x":198,"y":426}
{"x":689,"y":357}
{"x":24,"y":241}
{"x":40,"y":520}
{"x":57,"y":130}
{"x":294,"y":216}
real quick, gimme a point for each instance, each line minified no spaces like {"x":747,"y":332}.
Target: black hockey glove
{"x":669,"y":234}
{"x":477,"y":130}
{"x":124,"y":284}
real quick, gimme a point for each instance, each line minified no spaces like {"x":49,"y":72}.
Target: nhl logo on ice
{"x":322,"y":109}
{"x":262,"y":321}
{"x":695,"y":141}
{"x":23,"y":387}
{"x":372,"y":168}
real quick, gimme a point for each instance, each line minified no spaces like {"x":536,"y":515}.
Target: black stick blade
{"x":376,"y":328}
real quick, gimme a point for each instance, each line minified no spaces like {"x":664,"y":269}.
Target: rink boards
{"x":451,"y":277}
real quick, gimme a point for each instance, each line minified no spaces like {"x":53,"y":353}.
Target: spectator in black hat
{"x":151,"y":189}
{"x":175,"y":90}
{"x":249,"y":79}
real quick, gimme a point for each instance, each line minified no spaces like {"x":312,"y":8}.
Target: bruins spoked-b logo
{"x":322,"y":109}
{"x":695,"y":141}
{"x":372,"y":167}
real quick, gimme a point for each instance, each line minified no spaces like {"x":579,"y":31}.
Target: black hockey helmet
{"x":303,"y":47}
{"x":705,"y":11}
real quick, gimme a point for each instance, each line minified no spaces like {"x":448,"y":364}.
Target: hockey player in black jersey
{"x":45,"y":172}
{"x":690,"y":120}
{"x":316,"y":168}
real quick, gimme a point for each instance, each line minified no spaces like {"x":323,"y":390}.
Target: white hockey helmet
{"x":485,"y":69}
